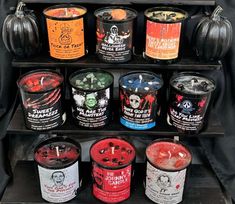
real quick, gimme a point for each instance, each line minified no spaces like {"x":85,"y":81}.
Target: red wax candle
{"x":112,"y":166}
{"x":58,"y":168}
{"x":40,"y":92}
{"x":167,"y":162}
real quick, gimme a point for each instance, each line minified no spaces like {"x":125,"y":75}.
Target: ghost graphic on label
{"x":134,"y":101}
{"x":187,"y":106}
{"x":163,"y":181}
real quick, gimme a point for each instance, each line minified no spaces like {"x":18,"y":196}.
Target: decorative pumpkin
{"x":20,"y":33}
{"x":212,"y":36}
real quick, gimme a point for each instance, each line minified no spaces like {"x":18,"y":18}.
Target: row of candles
{"x":91,"y":99}
{"x":114,"y":33}
{"x":58,"y":160}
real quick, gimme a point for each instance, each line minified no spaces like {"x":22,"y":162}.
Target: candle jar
{"x":139,"y":99}
{"x":58,"y":161}
{"x":65,"y":27}
{"x":41,"y":97}
{"x":92,"y":92}
{"x":114,"y":33}
{"x":164,"y":29}
{"x":167,"y":164}
{"x":189,"y":97}
{"x":112,"y":160}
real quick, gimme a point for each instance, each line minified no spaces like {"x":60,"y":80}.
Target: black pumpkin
{"x":212,"y":37}
{"x":20,"y":33}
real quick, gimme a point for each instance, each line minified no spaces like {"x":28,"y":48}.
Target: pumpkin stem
{"x":216,"y":13}
{"x":19,"y":10}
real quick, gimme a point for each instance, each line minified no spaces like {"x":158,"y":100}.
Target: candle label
{"x":164,"y":187}
{"x":162,"y":40}
{"x":114,"y":41}
{"x":43,"y":111}
{"x":66,"y":38}
{"x":111,"y":186}
{"x":91,"y":109}
{"x":59,"y":185}
{"x":187,"y":113}
{"x":138,"y":111}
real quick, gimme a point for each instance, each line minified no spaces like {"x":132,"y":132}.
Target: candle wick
{"x":112,"y":149}
{"x":192,"y":83}
{"x":41,"y":81}
{"x":169,"y":154}
{"x":57,"y":151}
{"x":66,"y":11}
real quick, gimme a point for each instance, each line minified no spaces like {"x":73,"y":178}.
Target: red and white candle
{"x":167,"y":162}
{"x":112,"y":160}
{"x":58,"y":168}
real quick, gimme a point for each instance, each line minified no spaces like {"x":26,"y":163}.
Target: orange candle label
{"x":66,"y":38}
{"x":162,"y":40}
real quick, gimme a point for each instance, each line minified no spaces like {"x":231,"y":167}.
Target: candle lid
{"x":168,"y":155}
{"x":115,"y":13}
{"x":112,"y":152}
{"x":57,"y":153}
{"x":39,"y":81}
{"x":91,"y":79}
{"x":192,"y":83}
{"x":141,"y":81}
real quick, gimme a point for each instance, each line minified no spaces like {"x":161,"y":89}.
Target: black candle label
{"x":91,"y":109}
{"x":114,"y":41}
{"x":187,"y":113}
{"x":43,"y":111}
{"x":138,"y":111}
{"x":111,"y":186}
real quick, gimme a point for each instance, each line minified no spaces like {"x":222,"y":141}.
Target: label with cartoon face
{"x":114,"y":41}
{"x":91,"y":109}
{"x":111,"y":186}
{"x":138,"y":111}
{"x":59,"y":185}
{"x":186,"y":113}
{"x":164,"y":187}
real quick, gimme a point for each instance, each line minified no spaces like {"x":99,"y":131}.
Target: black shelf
{"x":17,"y":126}
{"x":92,"y":61}
{"x":202,"y":186}
{"x":129,"y":2}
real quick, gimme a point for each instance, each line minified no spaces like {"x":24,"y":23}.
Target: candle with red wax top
{"x":112,"y":166}
{"x":41,"y":94}
{"x":167,"y":162}
{"x":58,"y":168}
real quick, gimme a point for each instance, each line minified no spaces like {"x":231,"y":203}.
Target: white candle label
{"x":91,"y":109}
{"x":164,"y":187}
{"x":114,"y":42}
{"x":43,"y":111}
{"x":59,"y":185}
{"x":111,"y":186}
{"x":187,"y":114}
{"x":138,"y":111}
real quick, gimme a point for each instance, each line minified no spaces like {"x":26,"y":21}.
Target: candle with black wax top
{"x":190,"y":95}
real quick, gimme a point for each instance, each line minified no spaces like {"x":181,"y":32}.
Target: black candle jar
{"x":139,"y":99}
{"x":189,"y":97}
{"x":58,"y":161}
{"x":114,"y":33}
{"x":92,"y":93}
{"x":41,"y":99}
{"x":164,"y":29}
